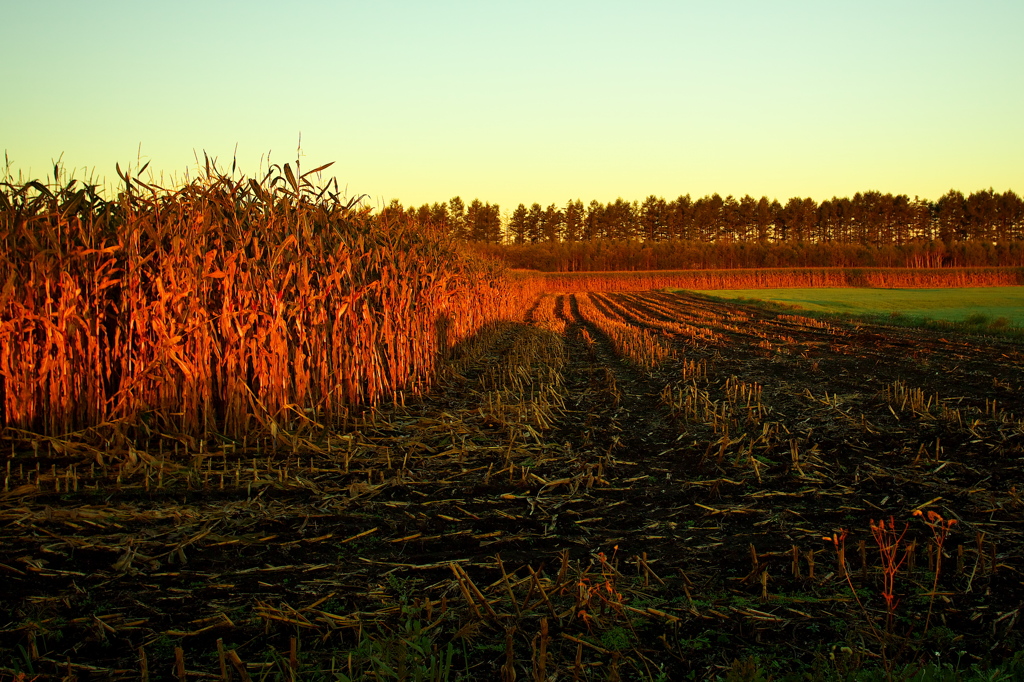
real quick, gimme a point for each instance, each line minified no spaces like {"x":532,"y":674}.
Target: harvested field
{"x":629,"y":486}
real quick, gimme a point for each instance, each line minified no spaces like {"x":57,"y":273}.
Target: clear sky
{"x":529,"y":101}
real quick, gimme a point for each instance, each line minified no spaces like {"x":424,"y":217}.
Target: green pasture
{"x":978,"y":306}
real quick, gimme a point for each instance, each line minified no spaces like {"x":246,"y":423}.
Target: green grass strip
{"x":990,"y":311}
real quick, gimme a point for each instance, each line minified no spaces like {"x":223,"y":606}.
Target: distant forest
{"x":984,"y":228}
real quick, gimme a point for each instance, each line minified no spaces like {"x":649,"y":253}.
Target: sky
{"x":525,"y":101}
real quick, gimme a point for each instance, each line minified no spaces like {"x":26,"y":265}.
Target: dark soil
{"x":553,"y":509}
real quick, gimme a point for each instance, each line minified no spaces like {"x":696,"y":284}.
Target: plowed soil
{"x":553,"y":509}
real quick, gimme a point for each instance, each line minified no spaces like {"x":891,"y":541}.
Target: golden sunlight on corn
{"x":228,"y":305}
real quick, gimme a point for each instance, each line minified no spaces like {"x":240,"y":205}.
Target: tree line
{"x":868,"y":218}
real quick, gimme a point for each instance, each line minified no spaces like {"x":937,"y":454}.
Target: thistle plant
{"x":838,"y":541}
{"x":888,"y":540}
{"x":940,"y":528}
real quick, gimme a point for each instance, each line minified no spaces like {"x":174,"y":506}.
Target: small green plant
{"x":1000,"y":323}
{"x":24,"y":665}
{"x":977,"y":319}
{"x":616,"y":639}
{"x":747,"y":670}
{"x":408,"y":652}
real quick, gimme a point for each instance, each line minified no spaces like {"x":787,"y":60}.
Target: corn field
{"x":620,"y":486}
{"x":230,"y":306}
{"x":252,"y":431}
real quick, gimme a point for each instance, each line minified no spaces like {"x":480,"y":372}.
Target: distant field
{"x":957,"y":305}
{"x":780,"y":278}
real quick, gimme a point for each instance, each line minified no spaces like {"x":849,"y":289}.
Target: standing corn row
{"x":227,"y":305}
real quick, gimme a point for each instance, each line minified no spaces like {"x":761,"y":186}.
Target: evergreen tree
{"x":574,"y":218}
{"x":534,"y":220}
{"x":707,"y":217}
{"x":491,"y":224}
{"x":423,"y":214}
{"x":440,"y":218}
{"x":980,"y":215}
{"x":621,"y":220}
{"x":728,"y":220}
{"x":517,"y":225}
{"x":680,"y":218}
{"x":950,"y":213}
{"x":777,"y":231}
{"x":826,"y":221}
{"x":746,"y":218}
{"x":764,"y":217}
{"x":922,"y":226}
{"x":654,"y":219}
{"x":551,"y":224}
{"x":473,"y":220}
{"x":457,"y":218}
{"x":593,"y":224}
{"x":1009,"y":217}
{"x":483,"y":222}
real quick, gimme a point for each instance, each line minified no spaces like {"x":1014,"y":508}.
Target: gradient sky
{"x":528,"y":101}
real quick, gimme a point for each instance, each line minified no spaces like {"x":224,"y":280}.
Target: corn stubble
{"x":478,"y":531}
{"x":230,"y":305}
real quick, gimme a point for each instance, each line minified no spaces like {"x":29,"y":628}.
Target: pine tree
{"x":457,"y":218}
{"x":654,"y":219}
{"x":574,"y":218}
{"x":517,"y":225}
{"x":534,"y":220}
